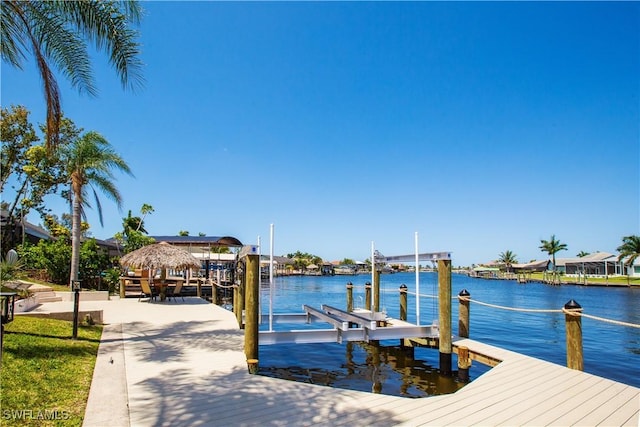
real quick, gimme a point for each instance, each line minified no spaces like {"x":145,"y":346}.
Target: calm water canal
{"x":610,"y":351}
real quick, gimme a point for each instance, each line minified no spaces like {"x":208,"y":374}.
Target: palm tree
{"x":145,"y":210}
{"x":582,"y":254}
{"x":552,"y":246}
{"x":630,"y":249}
{"x":133,"y":223}
{"x":508,"y":258}
{"x":56,"y":34}
{"x":90,"y":160}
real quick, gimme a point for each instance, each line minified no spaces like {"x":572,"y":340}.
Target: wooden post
{"x":403,"y":308}
{"x":252,"y":365}
{"x":214,"y":292}
{"x":123,"y":288}
{"x":239,"y":303}
{"x":573,"y":326}
{"x":367,"y":296}
{"x":235,"y":299}
{"x":349,"y":297}
{"x":444,"y":300}
{"x":236,"y":302}
{"x":463,"y":313}
{"x":463,"y":364}
{"x":403,"y":302}
{"x":252,"y":294}
{"x":376,"y":290}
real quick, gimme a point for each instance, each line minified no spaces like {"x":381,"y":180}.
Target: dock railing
{"x":573,"y":323}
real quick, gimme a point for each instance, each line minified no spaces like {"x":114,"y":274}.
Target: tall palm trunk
{"x":76,"y":231}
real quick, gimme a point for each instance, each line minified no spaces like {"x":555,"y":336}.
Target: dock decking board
{"x":185,"y":365}
{"x":556,"y":410}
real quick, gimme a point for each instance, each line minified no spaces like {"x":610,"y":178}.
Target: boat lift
{"x":358,"y":325}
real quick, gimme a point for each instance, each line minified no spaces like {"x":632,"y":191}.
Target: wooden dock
{"x":182,"y":364}
{"x":559,"y":396}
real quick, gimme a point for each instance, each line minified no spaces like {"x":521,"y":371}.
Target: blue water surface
{"x":610,"y":351}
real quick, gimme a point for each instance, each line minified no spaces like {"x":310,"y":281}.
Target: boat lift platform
{"x":358,"y":325}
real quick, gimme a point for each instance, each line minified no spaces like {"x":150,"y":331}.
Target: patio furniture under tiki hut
{"x":160,"y":256}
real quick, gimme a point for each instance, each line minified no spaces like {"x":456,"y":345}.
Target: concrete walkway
{"x":182,"y":364}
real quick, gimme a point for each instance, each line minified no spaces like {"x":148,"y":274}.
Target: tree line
{"x":628,"y":251}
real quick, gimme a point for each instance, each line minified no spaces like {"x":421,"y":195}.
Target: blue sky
{"x":484,"y":127}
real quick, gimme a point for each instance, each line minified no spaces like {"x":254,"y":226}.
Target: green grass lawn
{"x":46,"y":374}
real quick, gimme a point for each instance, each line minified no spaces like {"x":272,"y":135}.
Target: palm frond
{"x":56,"y":31}
{"x":107,"y":24}
{"x":63,"y":46}
{"x":12,"y":33}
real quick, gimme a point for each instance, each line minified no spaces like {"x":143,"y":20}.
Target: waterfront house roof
{"x":200,"y":240}
{"x":532,"y":266}
{"x":597,"y":257}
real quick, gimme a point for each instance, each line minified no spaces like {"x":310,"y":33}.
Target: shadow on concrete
{"x":173,"y":342}
{"x":238,"y":398}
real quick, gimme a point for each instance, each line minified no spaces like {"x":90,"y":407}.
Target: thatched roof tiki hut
{"x":160,"y":256}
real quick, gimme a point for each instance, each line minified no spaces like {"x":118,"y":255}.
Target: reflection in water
{"x":365,"y":366}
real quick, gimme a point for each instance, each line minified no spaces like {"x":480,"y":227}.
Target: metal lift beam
{"x":350,"y":317}
{"x":336,"y":321}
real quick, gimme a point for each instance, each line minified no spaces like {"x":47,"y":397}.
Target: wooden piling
{"x":252,"y":366}
{"x":376,"y":290}
{"x":444,"y":301}
{"x":464,"y":362}
{"x":349,"y":297}
{"x":252,"y":295}
{"x":214,"y":293}
{"x":235,"y":299}
{"x":403,"y":308}
{"x":573,"y":324}
{"x":367,"y":296}
{"x":239,"y":302}
{"x":463,"y":313}
{"x":403,"y":302}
